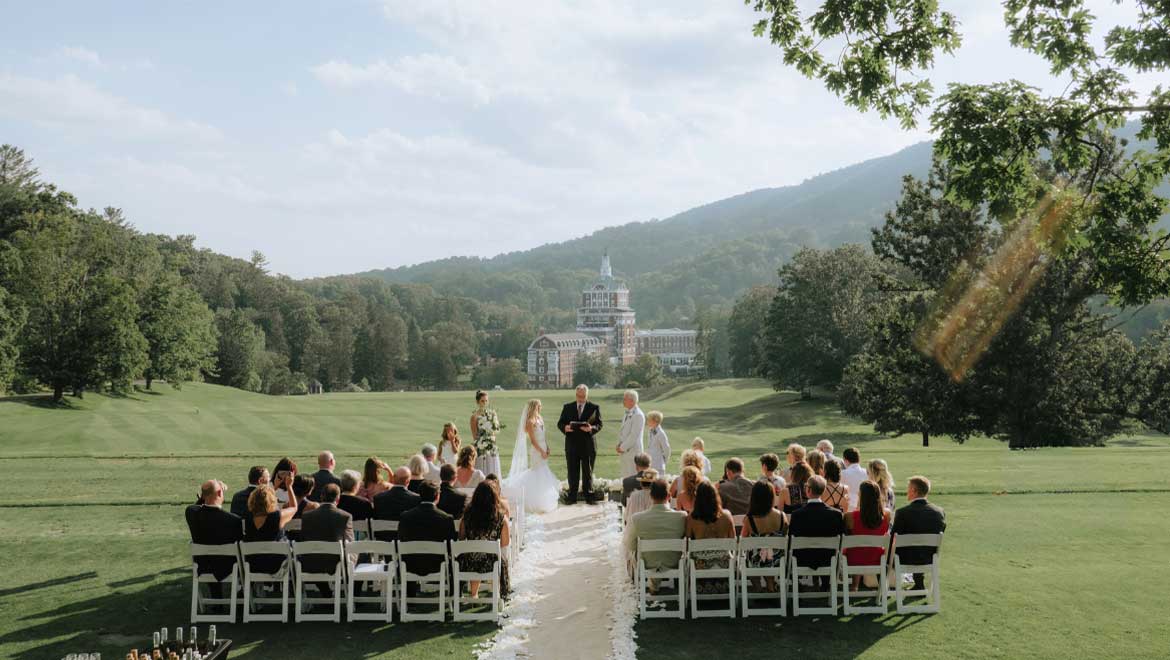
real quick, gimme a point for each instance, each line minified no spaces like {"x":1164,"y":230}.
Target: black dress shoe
{"x":571,"y":500}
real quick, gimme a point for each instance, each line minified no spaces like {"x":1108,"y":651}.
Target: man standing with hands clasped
{"x":631,"y":434}
{"x":580,"y":421}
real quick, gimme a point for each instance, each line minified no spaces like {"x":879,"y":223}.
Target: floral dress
{"x":764,"y":557}
{"x":487,"y":425}
{"x":710,"y":559}
{"x":482,"y":563}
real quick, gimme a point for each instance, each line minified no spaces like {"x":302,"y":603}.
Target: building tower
{"x":605,"y":313}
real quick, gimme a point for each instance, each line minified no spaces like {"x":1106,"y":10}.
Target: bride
{"x":530,"y":471}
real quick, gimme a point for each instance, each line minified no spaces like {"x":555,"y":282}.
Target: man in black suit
{"x":580,"y":421}
{"x":324,"y":475}
{"x":211,"y":525}
{"x":451,"y":501}
{"x":359,"y":507}
{"x":257,"y":476}
{"x":326,"y":523}
{"x":918,"y":517}
{"x":633,"y":483}
{"x":391,"y":504}
{"x":426,"y":522}
{"x":816,"y":518}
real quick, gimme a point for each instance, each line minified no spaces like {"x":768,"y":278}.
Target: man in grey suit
{"x":326,"y":523}
{"x":735,"y":489}
{"x":657,"y":522}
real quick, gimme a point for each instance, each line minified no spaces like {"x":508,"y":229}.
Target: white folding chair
{"x":696,"y":546}
{"x":380,"y":571}
{"x":377,"y":526}
{"x":460,"y":548}
{"x":737,"y":521}
{"x":797,"y":571}
{"x":304,"y":603}
{"x":880,"y":595}
{"x":437,"y":579}
{"x":776,"y":545}
{"x":361,"y":530}
{"x":678,"y":574}
{"x":932,"y":593}
{"x":198,"y":601}
{"x":252,"y":578}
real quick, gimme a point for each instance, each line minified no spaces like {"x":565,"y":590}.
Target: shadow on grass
{"x":806,"y":636}
{"x":121,"y":619}
{"x":68,"y":579}
{"x":774,"y":411}
{"x":39,"y":401}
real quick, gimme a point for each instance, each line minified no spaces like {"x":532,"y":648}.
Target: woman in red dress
{"x":869,"y":518}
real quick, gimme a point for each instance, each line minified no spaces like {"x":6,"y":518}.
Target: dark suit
{"x":211,"y":525}
{"x":918,"y":517}
{"x":816,"y":519}
{"x":414,"y":484}
{"x":451,"y":501}
{"x":425,"y":522}
{"x":323,"y":478}
{"x":240,"y":501}
{"x":391,"y":504}
{"x":358,"y":507}
{"x":629,"y":485}
{"x":580,"y":447}
{"x":325,"y":523}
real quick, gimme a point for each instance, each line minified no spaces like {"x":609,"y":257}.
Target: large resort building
{"x":606,"y":326}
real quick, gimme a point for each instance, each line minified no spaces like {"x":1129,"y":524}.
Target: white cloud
{"x":70,"y":101}
{"x":82,"y":54}
{"x":426,"y":75}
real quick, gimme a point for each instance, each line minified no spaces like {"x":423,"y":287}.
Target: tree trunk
{"x":149,"y":380}
{"x":58,"y":393}
{"x":79,"y":392}
{"x":925,"y":438}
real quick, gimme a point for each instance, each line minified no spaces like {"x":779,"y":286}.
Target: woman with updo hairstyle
{"x":689,"y":459}
{"x":836,"y":493}
{"x":285,"y":464}
{"x":690,"y":477}
{"x":466,"y":476}
{"x":794,"y":495}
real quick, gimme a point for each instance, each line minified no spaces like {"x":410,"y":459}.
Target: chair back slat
{"x":422,"y":548}
{"x":775,"y":543}
{"x":249,"y":548}
{"x":815,"y":542}
{"x":459,"y":548}
{"x":662,"y":545}
{"x":317,"y":548}
{"x":218,"y":550}
{"x":865,"y":541}
{"x":701,"y":545}
{"x":918,"y":540}
{"x":382,"y":548}
{"x":383,"y":526}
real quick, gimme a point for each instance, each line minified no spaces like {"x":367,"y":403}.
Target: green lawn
{"x":92,"y":542}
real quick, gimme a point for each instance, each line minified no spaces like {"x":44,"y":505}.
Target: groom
{"x":580,"y":421}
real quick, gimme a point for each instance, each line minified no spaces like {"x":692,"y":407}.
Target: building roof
{"x":565,"y":339}
{"x":666,"y":332}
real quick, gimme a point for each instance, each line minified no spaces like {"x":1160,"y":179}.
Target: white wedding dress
{"x":531,"y":474}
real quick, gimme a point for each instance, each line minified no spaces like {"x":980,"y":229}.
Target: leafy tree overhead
{"x":644,"y":372}
{"x":746,"y":329}
{"x":593,"y":370}
{"x":11,"y":321}
{"x":241,"y":349}
{"x":179,"y":330}
{"x":507,"y":373}
{"x":17,"y":169}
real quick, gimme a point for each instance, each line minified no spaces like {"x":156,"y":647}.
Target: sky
{"x":348,"y":135}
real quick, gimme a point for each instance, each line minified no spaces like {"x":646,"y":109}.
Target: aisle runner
{"x":571,"y":598}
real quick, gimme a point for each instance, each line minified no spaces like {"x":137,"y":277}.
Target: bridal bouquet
{"x":488,"y":423}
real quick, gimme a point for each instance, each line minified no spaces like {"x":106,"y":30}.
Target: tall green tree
{"x":12,"y":319}
{"x":593,"y":370}
{"x":17,"y":169}
{"x":179,"y":330}
{"x":380,"y":350}
{"x":240,"y":351}
{"x":507,"y":373}
{"x":646,"y":371}
{"x":745,"y":328}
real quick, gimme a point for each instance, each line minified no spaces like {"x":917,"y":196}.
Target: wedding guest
{"x":872,"y":519}
{"x":391,"y":504}
{"x":917,"y":517}
{"x":631,"y":434}
{"x":634,"y":481}
{"x":303,"y":486}
{"x":762,"y":519}
{"x":690,"y":478}
{"x":795,"y":454}
{"x":257,"y":476}
{"x":709,"y":520}
{"x":211,"y":525}
{"x":428,"y":452}
{"x":655,"y":523}
{"x":769,"y":463}
{"x":700,"y":448}
{"x":494,"y":481}
{"x":324,"y":474}
{"x":640,"y":499}
{"x":423,"y":522}
{"x":418,"y":471}
{"x":449,"y":444}
{"x":450,"y":500}
{"x":689,"y":459}
{"x":815,"y":519}
{"x":826,"y":447}
{"x":816,"y":462}
{"x":327,"y":522}
{"x":735,"y":489}
{"x":853,"y":474}
{"x":836,"y":493}
{"x":794,"y":495}
{"x":285,"y":464}
{"x":485,"y":519}
{"x":357,"y":507}
{"x":466,"y":475}
{"x":657,"y":444}
{"x":372,"y":482}
{"x":879,"y":472}
{"x":266,"y":521}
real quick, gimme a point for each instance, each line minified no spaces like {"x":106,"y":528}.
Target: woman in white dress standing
{"x":530,"y":471}
{"x":449,"y":444}
{"x":485,"y":424}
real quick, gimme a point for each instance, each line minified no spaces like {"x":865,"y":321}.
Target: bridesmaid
{"x":484,"y":425}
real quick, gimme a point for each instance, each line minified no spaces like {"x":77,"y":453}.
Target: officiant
{"x":632,"y":434}
{"x":580,"y":421}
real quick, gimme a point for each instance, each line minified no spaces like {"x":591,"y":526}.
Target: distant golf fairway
{"x":1048,"y":553}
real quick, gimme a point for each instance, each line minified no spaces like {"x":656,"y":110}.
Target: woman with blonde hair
{"x":266,"y":520}
{"x":795,"y":454}
{"x":689,"y":459}
{"x":879,"y":473}
{"x":691,"y":478}
{"x":529,"y":471}
{"x":816,"y":461}
{"x":466,"y":476}
{"x":418,"y":472}
{"x":449,"y":444}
